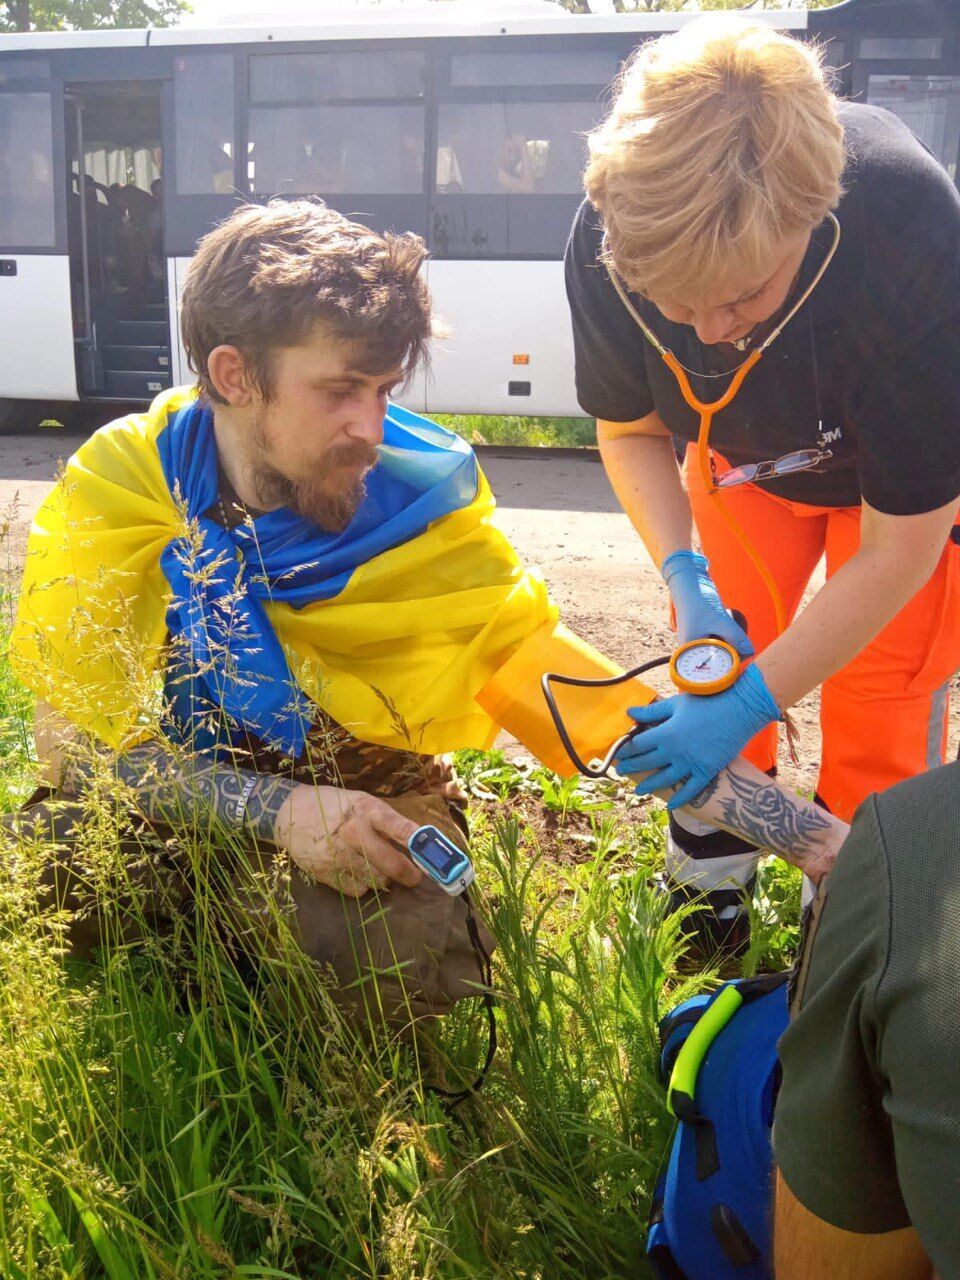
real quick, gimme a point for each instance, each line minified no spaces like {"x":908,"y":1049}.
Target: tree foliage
{"x":674,"y":6}
{"x":76,"y":15}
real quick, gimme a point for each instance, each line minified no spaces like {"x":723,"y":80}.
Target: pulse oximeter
{"x":440,"y":858}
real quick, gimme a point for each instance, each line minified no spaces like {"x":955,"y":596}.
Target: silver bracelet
{"x":240,"y":808}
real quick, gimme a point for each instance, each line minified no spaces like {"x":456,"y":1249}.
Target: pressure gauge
{"x":704,"y":666}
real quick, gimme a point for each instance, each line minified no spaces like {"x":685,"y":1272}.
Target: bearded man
{"x":268,"y":606}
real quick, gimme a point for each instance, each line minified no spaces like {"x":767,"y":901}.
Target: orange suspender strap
{"x":595,"y":718}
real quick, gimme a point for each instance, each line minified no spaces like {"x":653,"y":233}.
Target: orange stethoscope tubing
{"x":707,"y":410}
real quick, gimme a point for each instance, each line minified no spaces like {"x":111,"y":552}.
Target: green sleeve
{"x":832,"y":1138}
{"x":919,"y":1004}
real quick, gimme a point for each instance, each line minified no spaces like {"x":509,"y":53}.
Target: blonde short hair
{"x":723,"y":140}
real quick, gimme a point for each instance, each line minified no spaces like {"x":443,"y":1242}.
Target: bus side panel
{"x":497,"y":312}
{"x":36,"y":328}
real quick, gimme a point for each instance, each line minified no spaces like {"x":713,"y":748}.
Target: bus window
{"x":514,"y":148}
{"x":583,"y":66}
{"x":904,"y":48}
{"x":21,"y":68}
{"x":26,"y":171}
{"x":321,"y":77}
{"x":833,"y":50}
{"x":328,"y":150}
{"x":929,"y":105}
{"x":203,"y":96}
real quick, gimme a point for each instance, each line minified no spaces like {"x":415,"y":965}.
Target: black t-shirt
{"x":873,"y":354}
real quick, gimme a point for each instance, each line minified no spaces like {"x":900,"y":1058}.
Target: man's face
{"x":316,"y":439}
{"x":739,"y":304}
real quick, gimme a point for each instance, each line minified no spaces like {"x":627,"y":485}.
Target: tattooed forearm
{"x":771,"y":816}
{"x":184,"y":792}
{"x":746,"y":802}
{"x":706,"y":794}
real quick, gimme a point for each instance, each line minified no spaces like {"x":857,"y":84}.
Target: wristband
{"x":240,"y":808}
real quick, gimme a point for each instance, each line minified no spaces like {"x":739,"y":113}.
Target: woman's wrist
{"x":757,"y":695}
{"x":770,"y":667}
{"x":684,"y":560}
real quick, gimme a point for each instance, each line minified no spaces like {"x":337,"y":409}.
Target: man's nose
{"x":713,"y":325}
{"x":368,"y":424}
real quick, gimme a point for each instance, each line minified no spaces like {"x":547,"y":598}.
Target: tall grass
{"x":175,"y":1109}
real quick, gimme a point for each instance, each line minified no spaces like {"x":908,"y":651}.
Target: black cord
{"x":551,"y":677}
{"x":452,"y":1097}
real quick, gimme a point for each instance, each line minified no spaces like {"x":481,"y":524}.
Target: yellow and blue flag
{"x":392,"y":627}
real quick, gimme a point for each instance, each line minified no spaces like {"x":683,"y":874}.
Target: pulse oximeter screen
{"x":439,"y":858}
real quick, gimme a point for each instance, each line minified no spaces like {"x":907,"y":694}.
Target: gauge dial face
{"x":705,"y":663}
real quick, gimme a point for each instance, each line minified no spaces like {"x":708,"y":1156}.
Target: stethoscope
{"x":708,"y":409}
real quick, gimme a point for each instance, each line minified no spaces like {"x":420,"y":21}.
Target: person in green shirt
{"x":867,"y":1126}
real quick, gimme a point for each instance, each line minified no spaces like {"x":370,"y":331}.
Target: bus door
{"x":115,"y":226}
{"x":36,"y":326}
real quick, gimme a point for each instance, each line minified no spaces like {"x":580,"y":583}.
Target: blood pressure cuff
{"x":594,"y":718}
{"x":712,"y":1208}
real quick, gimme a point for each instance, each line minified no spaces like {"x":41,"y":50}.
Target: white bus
{"x":119,"y":149}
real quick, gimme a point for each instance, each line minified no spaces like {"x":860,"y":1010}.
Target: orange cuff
{"x":594,"y":718}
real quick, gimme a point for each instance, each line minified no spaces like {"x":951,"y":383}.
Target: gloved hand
{"x":697,"y":604}
{"x":692,"y":737}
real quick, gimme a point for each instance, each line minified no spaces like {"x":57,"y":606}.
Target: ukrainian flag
{"x":393,"y":627}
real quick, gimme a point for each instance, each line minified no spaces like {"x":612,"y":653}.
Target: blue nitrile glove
{"x":691,"y":737}
{"x":697,"y":604}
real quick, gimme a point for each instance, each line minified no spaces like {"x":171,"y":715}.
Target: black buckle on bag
{"x":732,"y":1236}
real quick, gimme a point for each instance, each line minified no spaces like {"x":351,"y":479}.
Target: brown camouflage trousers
{"x":400,"y":953}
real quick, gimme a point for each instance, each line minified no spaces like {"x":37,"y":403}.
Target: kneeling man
{"x":271,"y":603}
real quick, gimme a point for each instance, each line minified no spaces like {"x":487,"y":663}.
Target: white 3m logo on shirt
{"x":832,"y":436}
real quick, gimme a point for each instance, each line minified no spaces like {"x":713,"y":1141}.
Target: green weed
{"x":170,"y":1109}
{"x":508,"y":430}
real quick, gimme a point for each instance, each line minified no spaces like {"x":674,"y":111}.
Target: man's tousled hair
{"x":268,"y":275}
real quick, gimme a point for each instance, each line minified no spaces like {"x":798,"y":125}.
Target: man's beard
{"x":330,"y":496}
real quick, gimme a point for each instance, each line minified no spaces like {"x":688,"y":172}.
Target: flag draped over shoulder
{"x":392,"y":627}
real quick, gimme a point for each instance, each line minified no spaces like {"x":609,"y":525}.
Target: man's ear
{"x":228,"y":373}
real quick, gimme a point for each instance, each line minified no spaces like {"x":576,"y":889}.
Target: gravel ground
{"x":558,"y":510}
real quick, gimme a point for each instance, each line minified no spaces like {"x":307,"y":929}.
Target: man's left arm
{"x":805,"y":1247}
{"x":744,"y":801}
{"x":740,"y":798}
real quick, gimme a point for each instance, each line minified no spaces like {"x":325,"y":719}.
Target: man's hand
{"x":346,"y":839}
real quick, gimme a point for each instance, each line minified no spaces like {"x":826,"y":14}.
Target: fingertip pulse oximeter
{"x":444,"y":863}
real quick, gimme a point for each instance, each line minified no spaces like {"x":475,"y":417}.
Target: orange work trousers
{"x":884,"y":715}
